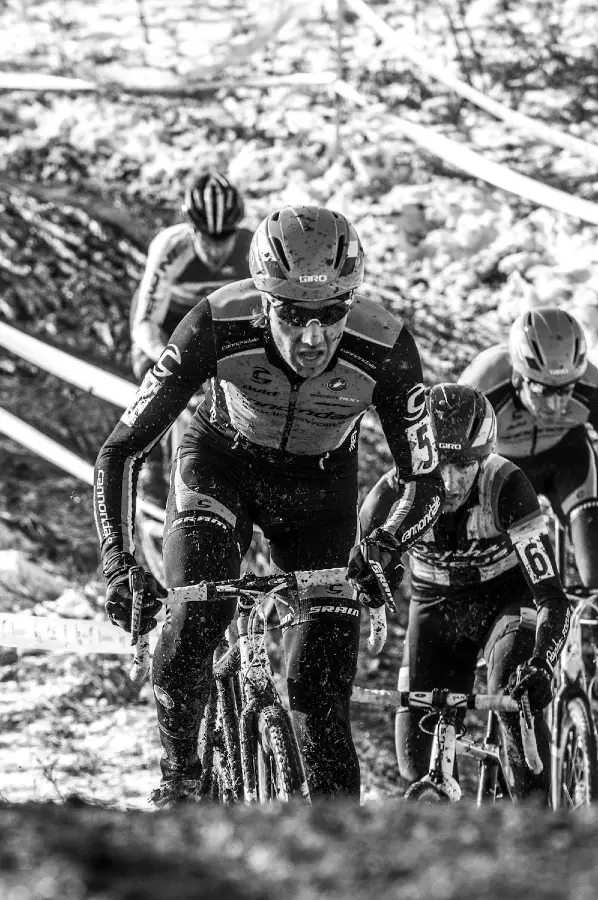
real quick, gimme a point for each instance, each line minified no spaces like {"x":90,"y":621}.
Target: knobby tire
{"x":576,"y":783}
{"x":425,"y":792}
{"x":272,"y":766}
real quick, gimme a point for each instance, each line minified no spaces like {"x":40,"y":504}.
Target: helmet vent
{"x":282,"y":257}
{"x":576,"y":351}
{"x":339,"y":251}
{"x":538,"y":352}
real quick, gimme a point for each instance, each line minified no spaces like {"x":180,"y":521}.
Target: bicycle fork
{"x":444,"y":748}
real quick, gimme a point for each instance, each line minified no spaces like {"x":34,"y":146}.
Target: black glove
{"x":375,"y":567}
{"x":535,"y":678}
{"x":119,"y":597}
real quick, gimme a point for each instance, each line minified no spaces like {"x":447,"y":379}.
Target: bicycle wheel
{"x":575,"y":784}
{"x":425,"y":792}
{"x":219,"y":743}
{"x":272,"y":768}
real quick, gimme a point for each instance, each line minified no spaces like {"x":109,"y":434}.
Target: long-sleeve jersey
{"x":520,"y":435}
{"x":175,"y":279}
{"x":499,"y":529}
{"x":256,"y":404}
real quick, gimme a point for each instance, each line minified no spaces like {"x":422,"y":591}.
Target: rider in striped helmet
{"x":185,"y":263}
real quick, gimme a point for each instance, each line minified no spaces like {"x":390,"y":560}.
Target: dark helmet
{"x":306,"y":253}
{"x":548,"y":345}
{"x":463,"y":422}
{"x":212,"y":205}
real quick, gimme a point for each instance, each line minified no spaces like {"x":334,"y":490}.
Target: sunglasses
{"x":215,"y":239}
{"x":300,"y":316}
{"x":546,"y":390}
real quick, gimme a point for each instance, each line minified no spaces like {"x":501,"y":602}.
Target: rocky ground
{"x":85,"y":181}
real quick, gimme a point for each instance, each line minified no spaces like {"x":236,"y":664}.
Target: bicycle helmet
{"x":463,"y":422}
{"x":306,"y":253}
{"x":212,"y":205}
{"x":547,"y":345}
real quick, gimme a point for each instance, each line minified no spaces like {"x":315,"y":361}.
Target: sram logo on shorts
{"x":336,"y":609}
{"x":311,"y":278}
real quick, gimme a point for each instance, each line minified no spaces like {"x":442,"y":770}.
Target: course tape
{"x":402,"y":41}
{"x":479,"y":167}
{"x":25,"y":81}
{"x":39,"y":443}
{"x":83,"y":375}
{"x":65,"y":635}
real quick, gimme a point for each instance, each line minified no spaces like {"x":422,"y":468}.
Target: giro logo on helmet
{"x":304,"y":278}
{"x":450,"y":446}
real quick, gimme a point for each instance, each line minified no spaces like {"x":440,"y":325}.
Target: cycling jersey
{"x":520,"y":435}
{"x":257,"y":405}
{"x":500,"y":527}
{"x":175,"y":279}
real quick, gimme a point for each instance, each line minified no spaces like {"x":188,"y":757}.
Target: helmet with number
{"x":547,"y":345}
{"x":463,"y":422}
{"x":212,"y":205}
{"x":306,"y":253}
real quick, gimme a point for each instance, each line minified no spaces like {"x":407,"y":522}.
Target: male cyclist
{"x":544,"y":390}
{"x":476,"y":576}
{"x":295,"y":357}
{"x":185,"y":262}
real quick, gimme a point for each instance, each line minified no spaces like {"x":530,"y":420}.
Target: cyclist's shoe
{"x":175,"y":792}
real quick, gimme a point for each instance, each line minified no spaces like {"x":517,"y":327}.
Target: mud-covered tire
{"x":279,"y":775}
{"x":575,"y":784}
{"x":425,"y":792}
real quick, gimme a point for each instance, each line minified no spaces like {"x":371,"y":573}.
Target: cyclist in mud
{"x":295,"y":356}
{"x":185,"y":262}
{"x":477,"y":576}
{"x":544,"y":391}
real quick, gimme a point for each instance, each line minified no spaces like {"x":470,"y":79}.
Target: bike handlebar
{"x":305,"y":582}
{"x":439,"y":701}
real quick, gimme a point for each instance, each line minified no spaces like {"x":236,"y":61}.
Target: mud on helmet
{"x":212,"y":205}
{"x":463,"y":422}
{"x":306,"y":253}
{"x":547,"y":345}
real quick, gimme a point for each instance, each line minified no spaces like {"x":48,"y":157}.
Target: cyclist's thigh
{"x":438,"y":656}
{"x":322,"y":642}
{"x":574,"y":480}
{"x":206,"y":534}
{"x":510,"y":641}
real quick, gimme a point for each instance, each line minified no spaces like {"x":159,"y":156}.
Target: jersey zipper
{"x":295,"y":388}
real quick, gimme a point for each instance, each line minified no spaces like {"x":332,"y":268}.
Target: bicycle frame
{"x":446,"y":742}
{"x":248,"y":658}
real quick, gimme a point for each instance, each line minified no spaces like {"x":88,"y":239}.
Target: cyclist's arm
{"x":168,"y":254}
{"x":150,"y":337}
{"x":400,"y":401}
{"x":519,"y":514}
{"x":187,"y":362}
